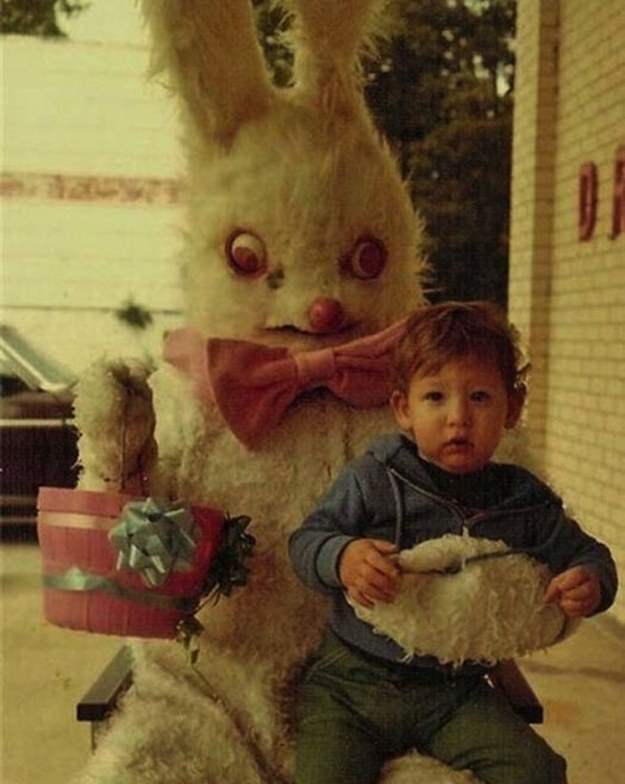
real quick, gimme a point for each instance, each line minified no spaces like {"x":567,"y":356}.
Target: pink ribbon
{"x":253,"y":384}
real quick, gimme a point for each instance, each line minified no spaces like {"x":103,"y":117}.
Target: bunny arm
{"x":209,"y":51}
{"x":114,"y":415}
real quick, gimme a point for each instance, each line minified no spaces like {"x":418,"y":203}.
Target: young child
{"x":459,"y":386}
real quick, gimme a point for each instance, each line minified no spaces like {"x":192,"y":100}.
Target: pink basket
{"x":73,"y":528}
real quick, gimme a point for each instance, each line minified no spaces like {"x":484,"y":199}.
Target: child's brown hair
{"x":436,"y":334}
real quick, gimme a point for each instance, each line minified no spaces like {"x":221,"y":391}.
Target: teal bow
{"x":154,"y":538}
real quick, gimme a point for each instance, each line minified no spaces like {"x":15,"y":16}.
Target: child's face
{"x":457,"y":414}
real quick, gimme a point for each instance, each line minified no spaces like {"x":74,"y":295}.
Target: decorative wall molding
{"x":89,"y":188}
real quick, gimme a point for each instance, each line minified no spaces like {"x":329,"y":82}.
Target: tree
{"x":37,"y":17}
{"x":443,"y":95}
{"x":271,"y":22}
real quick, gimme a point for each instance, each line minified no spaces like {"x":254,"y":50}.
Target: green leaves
{"x":37,"y":17}
{"x":444,"y":98}
{"x":229,"y":569}
{"x":134,"y":315}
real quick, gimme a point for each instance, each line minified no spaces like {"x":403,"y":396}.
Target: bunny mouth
{"x":291,"y":329}
{"x":293,"y":336}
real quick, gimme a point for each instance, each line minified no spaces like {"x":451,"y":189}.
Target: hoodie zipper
{"x":467,"y":522}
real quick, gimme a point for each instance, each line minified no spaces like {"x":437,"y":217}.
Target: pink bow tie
{"x":252,"y":384}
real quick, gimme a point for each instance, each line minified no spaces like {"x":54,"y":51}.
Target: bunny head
{"x":300,"y":229}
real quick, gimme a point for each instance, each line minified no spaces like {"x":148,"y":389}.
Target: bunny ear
{"x":209,"y":53}
{"x":329,"y":37}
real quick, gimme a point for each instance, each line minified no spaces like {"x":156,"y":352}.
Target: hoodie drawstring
{"x":399,"y":508}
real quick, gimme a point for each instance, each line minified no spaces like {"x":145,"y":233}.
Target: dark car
{"x":37,"y":434}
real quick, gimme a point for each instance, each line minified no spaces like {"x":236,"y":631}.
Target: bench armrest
{"x":102,"y":697}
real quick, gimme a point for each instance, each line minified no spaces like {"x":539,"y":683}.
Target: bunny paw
{"x":114,"y":414}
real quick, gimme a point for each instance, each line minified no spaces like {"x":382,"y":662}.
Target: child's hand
{"x":576,"y":591}
{"x":368,"y":572}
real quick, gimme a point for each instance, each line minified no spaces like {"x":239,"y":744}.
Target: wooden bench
{"x":99,"y":702}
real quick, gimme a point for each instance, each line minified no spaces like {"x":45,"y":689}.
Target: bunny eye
{"x":246,"y":253}
{"x":367,"y":260}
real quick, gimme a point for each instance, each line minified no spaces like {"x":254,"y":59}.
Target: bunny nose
{"x":326,"y":315}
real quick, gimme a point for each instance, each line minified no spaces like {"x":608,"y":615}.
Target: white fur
{"x":306,"y":180}
{"x":490,"y":610}
{"x":304,"y":170}
{"x":208,"y":53}
{"x":306,"y":204}
{"x":114,"y":402}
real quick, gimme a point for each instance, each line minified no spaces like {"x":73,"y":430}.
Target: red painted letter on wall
{"x":618,"y":201}
{"x":587,"y":208}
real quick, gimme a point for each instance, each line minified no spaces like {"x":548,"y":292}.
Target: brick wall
{"x":533,"y":153}
{"x":567,"y":295}
{"x":89,"y":197}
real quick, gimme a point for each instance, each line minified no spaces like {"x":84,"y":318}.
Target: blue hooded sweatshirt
{"x":390,"y":493}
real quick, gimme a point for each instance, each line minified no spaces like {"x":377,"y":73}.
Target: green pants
{"x":354,"y":715}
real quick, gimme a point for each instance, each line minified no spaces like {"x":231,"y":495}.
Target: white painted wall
{"x":90,"y":161}
{"x":84,"y":108}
